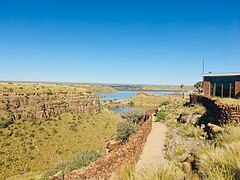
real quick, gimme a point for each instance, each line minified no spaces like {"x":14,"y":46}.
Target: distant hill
{"x":122,"y":87}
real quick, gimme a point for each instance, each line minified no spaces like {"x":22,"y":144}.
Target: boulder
{"x":214,"y":128}
{"x":111,"y":145}
{"x":188,"y":118}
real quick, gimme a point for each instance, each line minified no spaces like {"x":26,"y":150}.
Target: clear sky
{"x":118,"y":41}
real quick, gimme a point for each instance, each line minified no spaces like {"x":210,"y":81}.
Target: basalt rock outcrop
{"x":15,"y":106}
{"x":223,"y":113}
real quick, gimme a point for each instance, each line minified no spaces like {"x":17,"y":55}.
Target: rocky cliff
{"x":15,"y":106}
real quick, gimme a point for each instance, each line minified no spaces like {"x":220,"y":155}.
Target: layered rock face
{"x":14,"y":106}
{"x":224,"y":113}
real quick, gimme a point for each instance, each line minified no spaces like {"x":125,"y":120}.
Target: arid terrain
{"x":44,"y":124}
{"x":51,"y":130}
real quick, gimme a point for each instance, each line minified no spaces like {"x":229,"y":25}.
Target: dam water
{"x":122,"y":95}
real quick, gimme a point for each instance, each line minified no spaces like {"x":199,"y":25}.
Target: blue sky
{"x":121,"y":41}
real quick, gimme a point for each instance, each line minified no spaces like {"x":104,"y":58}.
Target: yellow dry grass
{"x":143,"y":99}
{"x":37,"y":88}
{"x":165,"y":171}
{"x":35,"y":147}
{"x":229,"y":101}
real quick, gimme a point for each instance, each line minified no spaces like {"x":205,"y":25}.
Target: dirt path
{"x":152,"y":154}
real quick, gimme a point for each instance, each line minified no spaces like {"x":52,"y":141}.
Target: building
{"x":221,"y":84}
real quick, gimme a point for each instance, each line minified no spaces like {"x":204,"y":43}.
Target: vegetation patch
{"x":221,"y":162}
{"x":161,"y":115}
{"x":76,"y":161}
{"x":124,"y":130}
{"x":149,"y":100}
{"x":52,"y":141}
{"x":228,"y":100}
{"x":191,"y":131}
{"x":134,"y":115}
{"x":165,"y":171}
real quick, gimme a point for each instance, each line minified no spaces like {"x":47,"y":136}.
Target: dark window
{"x":213,"y":89}
{"x":226,"y":90}
{"x":232,"y":89}
{"x":222,"y":86}
{"x":218,"y":89}
{"x":218,"y":79}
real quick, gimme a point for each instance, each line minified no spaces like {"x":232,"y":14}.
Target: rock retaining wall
{"x":14,"y":106}
{"x":224,"y":113}
{"x":113,"y":163}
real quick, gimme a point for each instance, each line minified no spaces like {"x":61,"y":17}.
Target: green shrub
{"x":4,"y":124}
{"x":41,"y":129}
{"x":31,"y":147}
{"x":161,"y":115}
{"x":165,"y":103}
{"x":6,"y":144}
{"x":77,"y":161}
{"x":31,"y":135}
{"x":124,"y":130}
{"x":131,"y":103}
{"x":54,"y":131}
{"x":73,"y":127}
{"x":133,"y":114}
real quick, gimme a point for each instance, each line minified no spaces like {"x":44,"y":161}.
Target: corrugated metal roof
{"x":220,"y":74}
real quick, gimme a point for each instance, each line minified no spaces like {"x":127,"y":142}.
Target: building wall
{"x":237,"y":87}
{"x":206,"y":87}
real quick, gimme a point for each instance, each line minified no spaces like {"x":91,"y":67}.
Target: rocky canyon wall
{"x":14,"y":106}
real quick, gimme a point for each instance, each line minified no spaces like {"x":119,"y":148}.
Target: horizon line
{"x":74,"y":82}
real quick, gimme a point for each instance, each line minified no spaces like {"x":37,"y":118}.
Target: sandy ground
{"x":152,"y":154}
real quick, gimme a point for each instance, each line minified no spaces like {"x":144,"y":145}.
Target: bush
{"x":41,"y":128}
{"x":221,"y":162}
{"x":231,"y":135}
{"x":77,"y":161}
{"x":165,"y":171}
{"x":191,"y":131}
{"x":73,"y":127}
{"x":3,"y":124}
{"x":161,"y":115}
{"x":124,"y":130}
{"x":133,"y":114}
{"x":131,"y":103}
{"x":165,"y":103}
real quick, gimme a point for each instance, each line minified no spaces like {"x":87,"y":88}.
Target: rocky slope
{"x":15,"y":106}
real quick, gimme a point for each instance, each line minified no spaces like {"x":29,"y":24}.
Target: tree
{"x":199,"y":86}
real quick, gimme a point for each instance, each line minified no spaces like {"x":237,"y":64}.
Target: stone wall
{"x":206,"y":87}
{"x":224,"y":113}
{"x":14,"y":106}
{"x":113,"y":163}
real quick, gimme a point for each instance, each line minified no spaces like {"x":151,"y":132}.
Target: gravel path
{"x":152,"y":154}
